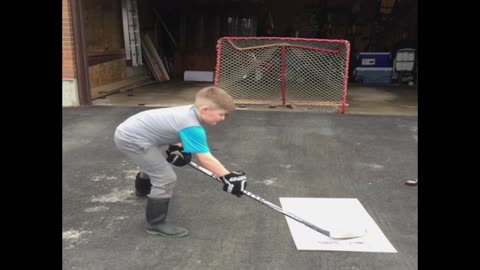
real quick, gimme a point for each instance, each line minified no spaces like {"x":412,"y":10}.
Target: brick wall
{"x":68,"y":52}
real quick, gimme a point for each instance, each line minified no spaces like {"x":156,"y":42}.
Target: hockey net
{"x":273,"y":70}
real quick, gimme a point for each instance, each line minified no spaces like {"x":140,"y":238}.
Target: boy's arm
{"x":212,"y":164}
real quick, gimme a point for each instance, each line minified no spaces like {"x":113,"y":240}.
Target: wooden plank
{"x":153,"y":64}
{"x":158,"y":60}
{"x":150,"y":67}
{"x":155,"y":57}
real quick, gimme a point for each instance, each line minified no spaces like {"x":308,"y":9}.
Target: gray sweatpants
{"x":151,"y":162}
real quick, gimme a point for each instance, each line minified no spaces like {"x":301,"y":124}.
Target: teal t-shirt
{"x":194,"y":139}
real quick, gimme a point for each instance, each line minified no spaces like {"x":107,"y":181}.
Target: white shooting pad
{"x":336,"y":214}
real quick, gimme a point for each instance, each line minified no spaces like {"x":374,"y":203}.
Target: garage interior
{"x":170,"y":38}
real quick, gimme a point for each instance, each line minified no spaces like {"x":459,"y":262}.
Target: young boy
{"x":141,"y":137}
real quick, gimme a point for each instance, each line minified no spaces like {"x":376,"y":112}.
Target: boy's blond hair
{"x":215,"y":98}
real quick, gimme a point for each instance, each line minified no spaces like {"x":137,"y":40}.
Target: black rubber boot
{"x":157,"y":210}
{"x":142,"y":186}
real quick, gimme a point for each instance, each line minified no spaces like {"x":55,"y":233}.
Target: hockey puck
{"x":411,"y":182}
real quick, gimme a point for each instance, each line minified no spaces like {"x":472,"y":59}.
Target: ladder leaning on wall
{"x":131,"y":32}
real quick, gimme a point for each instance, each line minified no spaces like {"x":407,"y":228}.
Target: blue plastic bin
{"x":374,"y":59}
{"x":374,"y":75}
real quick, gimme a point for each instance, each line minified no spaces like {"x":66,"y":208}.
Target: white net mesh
{"x":284,"y":70}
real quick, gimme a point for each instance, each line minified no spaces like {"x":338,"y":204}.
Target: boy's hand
{"x":177,"y":157}
{"x":234,"y":183}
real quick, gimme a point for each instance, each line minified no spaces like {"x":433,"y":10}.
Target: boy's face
{"x":212,"y":116}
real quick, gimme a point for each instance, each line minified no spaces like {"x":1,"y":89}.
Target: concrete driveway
{"x":304,"y":154}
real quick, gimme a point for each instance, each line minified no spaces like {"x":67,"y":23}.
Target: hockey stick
{"x":331,"y":234}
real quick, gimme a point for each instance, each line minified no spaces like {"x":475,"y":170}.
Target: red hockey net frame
{"x":276,"y":70}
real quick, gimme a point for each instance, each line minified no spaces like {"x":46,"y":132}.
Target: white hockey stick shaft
{"x":277,"y":208}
